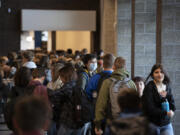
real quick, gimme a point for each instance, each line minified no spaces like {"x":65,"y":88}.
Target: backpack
{"x":103,"y":76}
{"x":77,"y":110}
{"x":83,"y":72}
{"x":115,"y":87}
{"x":83,"y":106}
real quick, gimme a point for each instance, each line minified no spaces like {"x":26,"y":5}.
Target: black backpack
{"x":78,"y":110}
{"x":82,"y":72}
{"x":103,"y":76}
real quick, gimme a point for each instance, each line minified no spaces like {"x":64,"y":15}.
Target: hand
{"x":98,"y":131}
{"x":170,"y":113}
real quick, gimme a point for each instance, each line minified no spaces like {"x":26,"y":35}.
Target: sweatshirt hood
{"x":120,"y":74}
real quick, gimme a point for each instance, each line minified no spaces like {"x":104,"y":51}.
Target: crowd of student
{"x":82,"y":94}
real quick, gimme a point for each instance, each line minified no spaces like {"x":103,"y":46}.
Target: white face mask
{"x":92,"y":66}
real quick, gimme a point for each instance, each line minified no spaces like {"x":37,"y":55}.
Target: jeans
{"x":163,"y":130}
{"x":86,"y":129}
{"x":52,"y":129}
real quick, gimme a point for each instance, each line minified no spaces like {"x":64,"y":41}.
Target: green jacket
{"x":103,"y":100}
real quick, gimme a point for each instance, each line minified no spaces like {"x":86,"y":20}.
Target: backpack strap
{"x":114,"y":80}
{"x":103,"y":76}
{"x":87,"y":77}
{"x":126,"y":80}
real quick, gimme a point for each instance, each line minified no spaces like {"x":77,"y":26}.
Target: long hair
{"x":156,"y":66}
{"x":44,"y":62}
{"x":55,"y":71}
{"x":68,"y":73}
{"x":22,"y":77}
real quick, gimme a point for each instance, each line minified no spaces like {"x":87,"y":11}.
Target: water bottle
{"x":165,"y":105}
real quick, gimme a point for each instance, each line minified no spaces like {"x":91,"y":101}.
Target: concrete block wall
{"x":124,"y":31}
{"x":171,"y":51}
{"x":145,"y":36}
{"x":145,"y":41}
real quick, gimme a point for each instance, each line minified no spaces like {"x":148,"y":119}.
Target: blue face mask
{"x":92,"y":66}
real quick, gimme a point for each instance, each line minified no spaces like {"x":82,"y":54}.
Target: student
{"x":56,"y":82}
{"x":130,"y":120}
{"x":4,"y":92}
{"x":155,"y":94}
{"x":93,"y":84}
{"x":45,"y":63}
{"x":32,"y":116}
{"x":25,"y":85}
{"x":139,"y":81}
{"x":22,"y":78}
{"x":108,"y":93}
{"x":90,"y":65}
{"x":28,"y":60}
{"x":36,"y":84}
{"x":96,"y":80}
{"x":62,"y":102}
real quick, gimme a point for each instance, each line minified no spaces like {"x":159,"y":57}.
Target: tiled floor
{"x":4,"y":130}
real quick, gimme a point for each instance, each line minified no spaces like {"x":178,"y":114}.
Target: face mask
{"x":92,"y":66}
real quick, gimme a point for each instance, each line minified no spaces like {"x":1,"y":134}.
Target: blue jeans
{"x":86,"y":129}
{"x":163,"y":130}
{"x":52,"y":129}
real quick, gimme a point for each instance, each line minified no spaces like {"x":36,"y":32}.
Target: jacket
{"x":151,"y":101}
{"x":102,"y":104}
{"x":61,"y":99}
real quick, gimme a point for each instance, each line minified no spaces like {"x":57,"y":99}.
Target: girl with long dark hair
{"x":156,"y":93}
